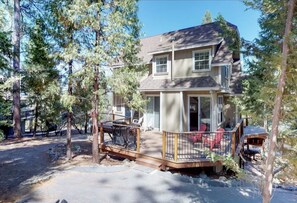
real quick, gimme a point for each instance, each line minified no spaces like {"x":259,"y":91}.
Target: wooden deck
{"x":151,"y":151}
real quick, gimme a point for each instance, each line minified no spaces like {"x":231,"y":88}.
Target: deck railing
{"x":237,"y":132}
{"x":182,"y":147}
{"x":125,"y":136}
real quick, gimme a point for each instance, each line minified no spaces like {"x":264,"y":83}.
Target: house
{"x":192,"y":76}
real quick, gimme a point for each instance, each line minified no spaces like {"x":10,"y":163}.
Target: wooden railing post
{"x":175,"y":146}
{"x":164,"y":145}
{"x":233,"y":140}
{"x":113,"y":116}
{"x":138,"y":140}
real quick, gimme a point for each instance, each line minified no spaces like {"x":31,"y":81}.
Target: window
{"x":225,"y":76}
{"x":220,"y":109}
{"x":161,"y":64}
{"x":201,"y":60}
{"x":118,"y":103}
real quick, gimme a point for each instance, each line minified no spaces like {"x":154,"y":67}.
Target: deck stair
{"x":155,"y":164}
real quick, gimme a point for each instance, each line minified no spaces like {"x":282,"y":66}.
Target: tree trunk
{"x":16,"y":67}
{"x":69,"y":114}
{"x":95,"y":131}
{"x":267,"y":187}
{"x":35,"y":120}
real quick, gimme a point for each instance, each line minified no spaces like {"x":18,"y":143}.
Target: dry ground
{"x":27,"y":162}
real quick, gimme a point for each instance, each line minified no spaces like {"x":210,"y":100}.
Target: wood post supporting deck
{"x":175,"y":146}
{"x":138,"y":140}
{"x":233,"y":143}
{"x":164,"y":145}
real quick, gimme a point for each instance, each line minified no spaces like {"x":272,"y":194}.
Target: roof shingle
{"x":186,"y":83}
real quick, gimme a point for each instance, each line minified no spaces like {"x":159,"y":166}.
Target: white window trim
{"x":188,"y":110}
{"x":193,"y":60}
{"x":155,"y":65}
{"x":222,"y":110}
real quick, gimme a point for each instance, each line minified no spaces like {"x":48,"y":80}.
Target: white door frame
{"x":211,"y":108}
{"x":160,"y":114}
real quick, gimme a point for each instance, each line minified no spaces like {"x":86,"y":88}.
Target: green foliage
{"x":263,"y":59}
{"x":124,"y":83}
{"x":230,"y":34}
{"x":207,"y":18}
{"x":228,"y":161}
{"x":99,"y":33}
{"x":41,"y":78}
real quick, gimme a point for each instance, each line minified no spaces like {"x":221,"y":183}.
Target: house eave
{"x":185,"y":47}
{"x":180,"y":89}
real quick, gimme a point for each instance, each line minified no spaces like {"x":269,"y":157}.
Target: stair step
{"x":149,"y":163}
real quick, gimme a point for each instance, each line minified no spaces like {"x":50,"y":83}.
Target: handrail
{"x":174,"y":143}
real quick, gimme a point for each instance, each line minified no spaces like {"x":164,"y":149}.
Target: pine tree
{"x":41,"y":78}
{"x":271,"y":75}
{"x":16,"y":66}
{"x":207,"y":18}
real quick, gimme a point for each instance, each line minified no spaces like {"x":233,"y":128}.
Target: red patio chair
{"x":198,"y":136}
{"x":216,"y":140}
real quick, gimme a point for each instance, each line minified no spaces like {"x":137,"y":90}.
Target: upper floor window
{"x":161,"y":64}
{"x":201,"y":60}
{"x":225,"y":76}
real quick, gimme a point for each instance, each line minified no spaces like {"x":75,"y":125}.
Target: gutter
{"x":180,"y":89}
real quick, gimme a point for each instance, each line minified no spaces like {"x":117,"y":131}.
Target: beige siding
{"x":170,"y":108}
{"x":183,"y":66}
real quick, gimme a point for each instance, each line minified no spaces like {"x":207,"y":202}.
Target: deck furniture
{"x":199,"y":135}
{"x":216,"y":140}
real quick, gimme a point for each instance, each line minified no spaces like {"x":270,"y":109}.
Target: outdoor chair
{"x":199,"y":135}
{"x":216,"y":141}
{"x":138,"y":122}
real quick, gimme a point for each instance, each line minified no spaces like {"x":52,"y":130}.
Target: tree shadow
{"x":23,"y":166}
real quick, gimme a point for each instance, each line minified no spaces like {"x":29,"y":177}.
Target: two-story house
{"x":192,"y":74}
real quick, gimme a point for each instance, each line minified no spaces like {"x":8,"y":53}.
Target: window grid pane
{"x":201,"y":60}
{"x":161,"y":65}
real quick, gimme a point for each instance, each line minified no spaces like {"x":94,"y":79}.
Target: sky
{"x":160,"y":16}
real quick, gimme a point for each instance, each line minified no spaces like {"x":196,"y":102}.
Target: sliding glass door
{"x":199,"y":112}
{"x":153,"y":112}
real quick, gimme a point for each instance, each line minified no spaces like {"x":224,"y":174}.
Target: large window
{"x":201,"y":60}
{"x":161,"y":64}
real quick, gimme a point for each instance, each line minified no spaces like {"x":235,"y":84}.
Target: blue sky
{"x":159,"y":16}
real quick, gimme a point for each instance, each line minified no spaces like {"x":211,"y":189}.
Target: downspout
{"x":172,"y":39}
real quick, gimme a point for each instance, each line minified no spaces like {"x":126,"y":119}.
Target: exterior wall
{"x":170,"y":110}
{"x":183,"y":66}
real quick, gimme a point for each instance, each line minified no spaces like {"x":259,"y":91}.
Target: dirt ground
{"x":27,"y":162}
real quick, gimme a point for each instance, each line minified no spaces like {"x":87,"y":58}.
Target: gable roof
{"x":193,"y":37}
